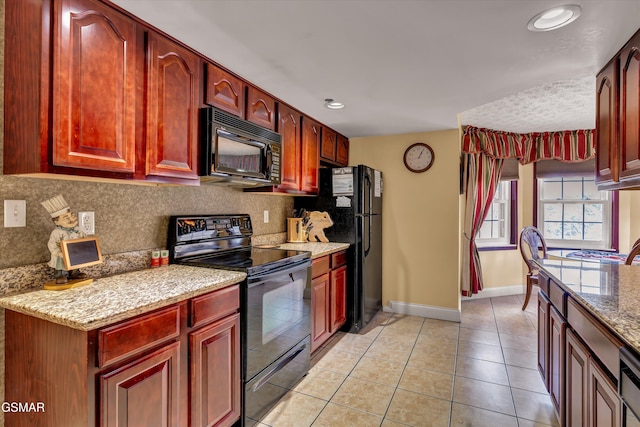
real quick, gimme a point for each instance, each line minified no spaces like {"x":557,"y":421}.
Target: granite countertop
{"x":317,"y":249}
{"x":610,"y":291}
{"x":115,"y":298}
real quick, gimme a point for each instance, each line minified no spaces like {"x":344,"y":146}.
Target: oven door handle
{"x":260,"y":278}
{"x":277,"y":368}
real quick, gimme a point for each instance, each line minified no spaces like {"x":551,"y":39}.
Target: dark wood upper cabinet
{"x":261,"y":108}
{"x":225,"y":91}
{"x":630,"y":110}
{"x":95,"y":101}
{"x":311,"y":135}
{"x":607,"y":123}
{"x":173,"y":76}
{"x":342,"y":150}
{"x":328,"y":147}
{"x":618,"y":120}
{"x":290,"y":128}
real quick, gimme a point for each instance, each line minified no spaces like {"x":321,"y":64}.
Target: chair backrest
{"x":532,"y":246}
{"x":634,"y":252}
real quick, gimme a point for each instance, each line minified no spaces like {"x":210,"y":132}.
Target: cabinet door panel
{"x":225,"y":91}
{"x":630,"y":110}
{"x":215,"y":373}
{"x":310,"y":155}
{"x":543,"y":338}
{"x":607,"y":124}
{"x":290,"y":128}
{"x":319,"y":309}
{"x":342,"y":151}
{"x":328,"y":147}
{"x":577,"y":382}
{"x":144,"y":392}
{"x":172,"y":105}
{"x":338,"y":298}
{"x":557,"y":328}
{"x":261,"y":108}
{"x":94,"y":84}
{"x":605,"y":404}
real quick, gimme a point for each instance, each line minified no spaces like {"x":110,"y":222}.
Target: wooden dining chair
{"x":532,"y":247}
{"x":634,"y":252}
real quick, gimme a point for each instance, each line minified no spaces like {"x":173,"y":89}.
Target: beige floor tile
{"x":432,"y":360}
{"x":350,"y":343}
{"x":436,"y":384}
{"x":364,"y":395}
{"x":534,"y":406}
{"x":388,"y":423}
{"x":526,"y":379}
{"x":393,"y":353}
{"x":371,"y":331}
{"x":295,"y":410}
{"x":485,"y":323}
{"x":320,"y":383}
{"x":440,"y":328}
{"x":528,"y":423}
{"x":335,"y":415}
{"x":518,"y":330}
{"x":476,"y":350}
{"x":442,"y":343}
{"x":395,"y":337}
{"x":336,"y":360}
{"x":481,"y":394}
{"x":378,"y":370}
{"x":519,"y":342}
{"x":469,"y":416}
{"x":523,"y":359}
{"x":482,"y":370}
{"x":416,"y":409}
{"x":482,"y":337}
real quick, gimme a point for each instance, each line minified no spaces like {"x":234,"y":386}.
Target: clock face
{"x":418,"y":157}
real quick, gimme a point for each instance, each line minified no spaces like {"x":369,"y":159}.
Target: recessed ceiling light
{"x":556,"y":17}
{"x":333,"y":105}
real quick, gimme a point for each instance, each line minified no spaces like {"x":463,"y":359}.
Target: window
{"x":572,"y":213}
{"x":496,"y":230}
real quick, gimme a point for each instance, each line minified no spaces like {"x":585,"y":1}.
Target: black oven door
{"x":278,"y":316}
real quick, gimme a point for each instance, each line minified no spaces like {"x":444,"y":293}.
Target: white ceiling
{"x":408,"y":65}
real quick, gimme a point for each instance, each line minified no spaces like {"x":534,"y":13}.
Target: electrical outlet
{"x":15,"y":213}
{"x":266,"y":217}
{"x":86,"y":221}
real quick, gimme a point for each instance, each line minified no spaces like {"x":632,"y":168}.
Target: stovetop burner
{"x":224,"y":241}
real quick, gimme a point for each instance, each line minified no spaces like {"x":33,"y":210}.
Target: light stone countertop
{"x":317,"y":249}
{"x":610,"y":291}
{"x":111,"y":299}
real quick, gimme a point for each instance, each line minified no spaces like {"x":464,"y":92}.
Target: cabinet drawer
{"x":133,"y":336}
{"x":601,"y":342}
{"x":320,"y":265}
{"x":215,"y":305}
{"x":338,"y":259}
{"x":557,"y":298}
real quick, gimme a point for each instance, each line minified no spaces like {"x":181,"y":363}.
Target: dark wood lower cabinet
{"x":604,"y":402}
{"x":155,"y":369}
{"x":543,"y":337}
{"x":328,"y":297}
{"x":215,"y":393}
{"x":577,"y":382}
{"x":144,"y":392}
{"x":557,"y":332}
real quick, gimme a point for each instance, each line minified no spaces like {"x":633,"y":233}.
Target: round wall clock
{"x":418,"y":157}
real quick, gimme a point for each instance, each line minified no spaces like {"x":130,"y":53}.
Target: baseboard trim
{"x":501,"y":291}
{"x":421,"y":310}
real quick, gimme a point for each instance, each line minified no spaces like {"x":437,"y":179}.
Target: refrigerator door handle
{"x":367,"y":216}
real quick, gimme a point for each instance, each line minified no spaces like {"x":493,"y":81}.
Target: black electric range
{"x":274,"y":307}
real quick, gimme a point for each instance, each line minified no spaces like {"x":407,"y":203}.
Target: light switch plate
{"x":15,"y":213}
{"x":266,"y":216}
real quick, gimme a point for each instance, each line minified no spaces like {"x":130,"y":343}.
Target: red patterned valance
{"x":567,"y":146}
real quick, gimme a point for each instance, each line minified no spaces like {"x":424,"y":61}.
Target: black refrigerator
{"x":353,"y":198}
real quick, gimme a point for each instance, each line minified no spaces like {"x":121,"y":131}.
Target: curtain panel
{"x":485,"y":151}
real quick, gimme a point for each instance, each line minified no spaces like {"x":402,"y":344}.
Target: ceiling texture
{"x":404,"y":66}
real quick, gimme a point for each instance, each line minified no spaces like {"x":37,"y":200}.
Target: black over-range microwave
{"x":237,"y":152}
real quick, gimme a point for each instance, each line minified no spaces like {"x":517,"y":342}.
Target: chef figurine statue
{"x":66,"y":228}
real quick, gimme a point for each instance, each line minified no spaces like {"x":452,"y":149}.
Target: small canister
{"x":164,"y":257}
{"x":155,"y":258}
